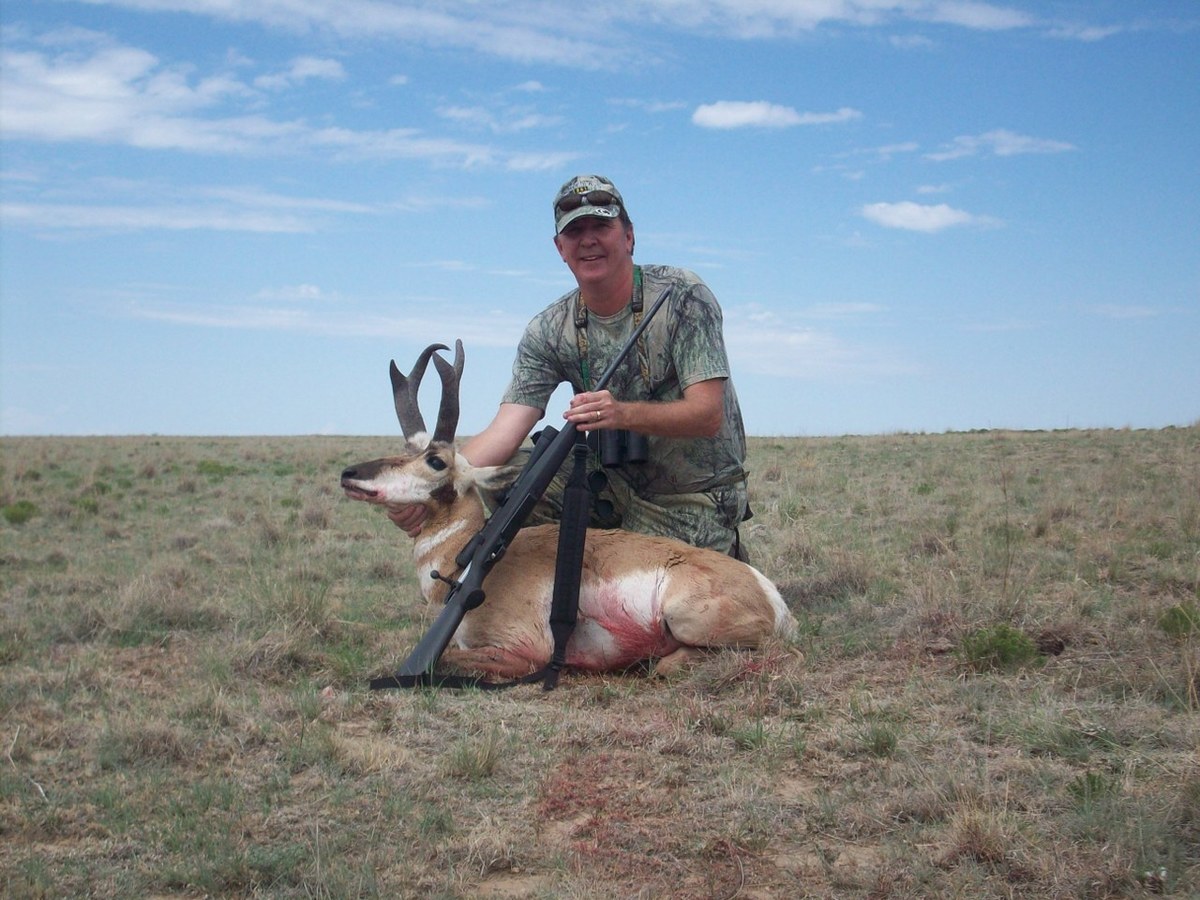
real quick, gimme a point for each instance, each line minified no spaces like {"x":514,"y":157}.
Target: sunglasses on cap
{"x":591,"y":198}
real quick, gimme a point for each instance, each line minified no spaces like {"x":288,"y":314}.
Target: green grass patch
{"x":20,"y":512}
{"x":998,"y":648}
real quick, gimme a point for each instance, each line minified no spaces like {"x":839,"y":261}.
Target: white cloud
{"x":521,"y":31}
{"x":884,"y":153}
{"x":1086,"y":33}
{"x":1124,"y":312}
{"x":92,"y":90}
{"x":256,"y":197}
{"x":547,"y":32}
{"x":726,"y":114}
{"x":301,"y":70}
{"x":910,"y":42}
{"x":1006,"y":326}
{"x":498,"y":120}
{"x":295,"y":293}
{"x":539,"y":162}
{"x":911,"y":216}
{"x":767,"y":342}
{"x":649,"y":106}
{"x":847,"y":310}
{"x":889,"y":150}
{"x":475,"y":328}
{"x":769,"y":19}
{"x":973,"y":14}
{"x":100,"y":217}
{"x":106,"y":93}
{"x":193,"y":209}
{"x":1000,"y":142}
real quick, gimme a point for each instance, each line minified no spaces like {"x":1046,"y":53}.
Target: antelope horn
{"x":451,"y":376}
{"x":404,"y":391}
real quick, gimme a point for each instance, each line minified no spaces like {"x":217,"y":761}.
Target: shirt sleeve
{"x":697,"y":339}
{"x":539,"y":368}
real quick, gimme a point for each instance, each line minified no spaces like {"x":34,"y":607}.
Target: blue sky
{"x":918,"y":215}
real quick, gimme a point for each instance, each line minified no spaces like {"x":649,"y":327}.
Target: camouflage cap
{"x":576,"y":199}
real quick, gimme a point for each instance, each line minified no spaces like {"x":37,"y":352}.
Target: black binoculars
{"x":619,"y":446}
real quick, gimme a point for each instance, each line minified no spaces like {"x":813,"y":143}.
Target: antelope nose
{"x":349,"y":473}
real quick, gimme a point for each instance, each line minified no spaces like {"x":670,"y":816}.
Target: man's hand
{"x":699,"y":414}
{"x":591,"y":410}
{"x":409,"y":518}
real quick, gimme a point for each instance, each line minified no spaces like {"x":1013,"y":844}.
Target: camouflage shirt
{"x":682,"y":345}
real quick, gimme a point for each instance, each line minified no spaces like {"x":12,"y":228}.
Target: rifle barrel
{"x":637,"y":333}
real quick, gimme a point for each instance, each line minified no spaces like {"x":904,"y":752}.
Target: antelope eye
{"x":436,"y":463}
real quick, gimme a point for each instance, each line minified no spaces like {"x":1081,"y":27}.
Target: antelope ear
{"x":494,"y":478}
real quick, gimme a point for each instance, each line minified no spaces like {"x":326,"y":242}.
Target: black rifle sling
{"x":568,"y":567}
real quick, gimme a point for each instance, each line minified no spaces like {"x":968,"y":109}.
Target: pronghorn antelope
{"x":641,"y":598}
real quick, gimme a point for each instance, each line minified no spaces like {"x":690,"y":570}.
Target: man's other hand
{"x":409,"y":518}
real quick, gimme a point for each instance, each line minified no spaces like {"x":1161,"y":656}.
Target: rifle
{"x":491,"y":542}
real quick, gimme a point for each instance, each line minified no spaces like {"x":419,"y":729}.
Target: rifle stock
{"x":489,"y":544}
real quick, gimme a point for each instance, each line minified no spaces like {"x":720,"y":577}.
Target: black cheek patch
{"x":445,"y":494}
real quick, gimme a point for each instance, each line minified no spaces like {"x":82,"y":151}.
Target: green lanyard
{"x":581,"y":338}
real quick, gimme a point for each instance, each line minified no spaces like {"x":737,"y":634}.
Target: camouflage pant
{"x":708,"y":519}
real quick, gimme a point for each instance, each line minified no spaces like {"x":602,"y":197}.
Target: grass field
{"x":994,"y":691}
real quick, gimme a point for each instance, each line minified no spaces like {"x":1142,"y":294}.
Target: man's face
{"x":595,"y":248}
